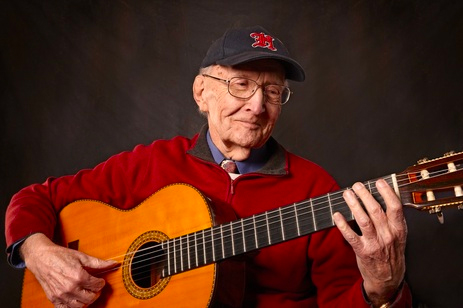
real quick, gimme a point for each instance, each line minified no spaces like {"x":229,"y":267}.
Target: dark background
{"x":82,"y":80}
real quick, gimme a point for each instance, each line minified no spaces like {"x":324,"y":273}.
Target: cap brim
{"x":294,"y":70}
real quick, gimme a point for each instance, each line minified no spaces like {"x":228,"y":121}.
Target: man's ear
{"x":198,"y":93}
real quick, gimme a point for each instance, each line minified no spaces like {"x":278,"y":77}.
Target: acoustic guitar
{"x":187,"y":261}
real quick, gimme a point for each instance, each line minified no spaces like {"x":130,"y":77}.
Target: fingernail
{"x":381,"y":183}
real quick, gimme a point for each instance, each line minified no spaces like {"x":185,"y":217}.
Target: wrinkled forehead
{"x":270,"y":67}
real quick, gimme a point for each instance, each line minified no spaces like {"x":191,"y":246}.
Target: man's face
{"x":236,"y":123}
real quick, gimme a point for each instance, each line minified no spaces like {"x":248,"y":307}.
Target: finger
{"x":75,"y":303}
{"x":96,"y":266}
{"x":349,"y":235}
{"x":82,"y":297}
{"x":373,"y":208}
{"x":394,"y":208}
{"x":361,"y":217}
{"x":72,"y":303}
{"x":88,"y":296}
{"x":96,"y":263}
{"x":94,"y":284}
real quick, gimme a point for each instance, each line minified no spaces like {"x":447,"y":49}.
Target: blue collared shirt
{"x":254,"y":162}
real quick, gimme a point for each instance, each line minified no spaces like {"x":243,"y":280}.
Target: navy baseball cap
{"x":241,"y":45}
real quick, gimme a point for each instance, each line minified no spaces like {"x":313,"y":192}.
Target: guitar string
{"x":227,"y":239}
{"x":320,"y":218}
{"x":327,"y":217}
{"x":224,"y":239}
{"x":208,"y":240}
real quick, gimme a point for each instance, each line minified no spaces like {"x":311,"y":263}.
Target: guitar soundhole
{"x":147,"y":264}
{"x":143,"y":265}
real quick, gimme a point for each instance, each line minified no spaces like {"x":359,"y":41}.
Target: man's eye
{"x":272,"y":90}
{"x":241,"y":83}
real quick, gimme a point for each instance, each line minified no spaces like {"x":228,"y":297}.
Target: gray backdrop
{"x":82,"y":80}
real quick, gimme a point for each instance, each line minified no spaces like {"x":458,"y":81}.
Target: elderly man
{"x":233,"y":161}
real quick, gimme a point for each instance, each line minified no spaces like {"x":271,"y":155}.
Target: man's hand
{"x":62,"y":272}
{"x":380,"y":249}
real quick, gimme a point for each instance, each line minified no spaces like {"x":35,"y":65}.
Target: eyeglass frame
{"x":258,"y":86}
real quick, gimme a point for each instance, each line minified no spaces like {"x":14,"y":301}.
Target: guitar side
{"x":106,"y":232}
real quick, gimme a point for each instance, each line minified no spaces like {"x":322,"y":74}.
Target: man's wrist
{"x":387,"y":303}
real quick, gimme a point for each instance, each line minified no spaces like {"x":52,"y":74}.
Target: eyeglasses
{"x":245,"y":88}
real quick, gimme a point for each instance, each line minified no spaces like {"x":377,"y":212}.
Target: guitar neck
{"x":261,"y":230}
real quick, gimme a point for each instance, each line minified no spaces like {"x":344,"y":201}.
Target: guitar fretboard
{"x":261,"y":230}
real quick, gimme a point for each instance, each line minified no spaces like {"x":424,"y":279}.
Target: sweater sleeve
{"x":117,"y":181}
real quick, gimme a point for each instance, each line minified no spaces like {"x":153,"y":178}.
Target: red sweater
{"x":315,"y":270}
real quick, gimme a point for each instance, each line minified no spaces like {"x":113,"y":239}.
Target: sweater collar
{"x":270,"y":159}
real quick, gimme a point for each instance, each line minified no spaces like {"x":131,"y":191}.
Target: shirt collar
{"x":254,"y":162}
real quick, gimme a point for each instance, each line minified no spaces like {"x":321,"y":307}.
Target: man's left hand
{"x":380,"y":249}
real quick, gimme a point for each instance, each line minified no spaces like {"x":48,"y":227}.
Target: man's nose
{"x":257,"y":101}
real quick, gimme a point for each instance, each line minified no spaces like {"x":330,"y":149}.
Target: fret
{"x":228,"y":249}
{"x":341,"y":206}
{"x":171,"y":259}
{"x":186,"y":253}
{"x":242,"y":235}
{"x":369,"y":186}
{"x":217,"y":243}
{"x":196,"y":250}
{"x":174,"y":260}
{"x":297,"y":219}
{"x":323,"y":212}
{"x":331,"y":208}
{"x":164,"y":244}
{"x":238,"y":242}
{"x":255,"y":230}
{"x":313,"y":215}
{"x":274,"y":221}
{"x":232,"y":239}
{"x":281,"y":225}
{"x":249,"y":236}
{"x":208,"y":246}
{"x":289,"y":221}
{"x":213,"y":246}
{"x":305,"y":217}
{"x":268,"y":229}
{"x":180,"y":252}
{"x":221,"y":242}
{"x":201,"y":248}
{"x":262,"y":229}
{"x":190,"y":250}
{"x":177,"y":255}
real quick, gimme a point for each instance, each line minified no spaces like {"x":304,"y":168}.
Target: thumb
{"x":92,"y":264}
{"x":96,"y":268}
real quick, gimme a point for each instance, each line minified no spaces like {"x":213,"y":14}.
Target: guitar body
{"x":106,"y":232}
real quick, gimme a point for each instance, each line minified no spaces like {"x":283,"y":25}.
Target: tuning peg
{"x":450,"y":153}
{"x":440,"y":217}
{"x":438,"y":212}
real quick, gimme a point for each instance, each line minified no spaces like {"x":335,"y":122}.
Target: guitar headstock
{"x":433,"y":184}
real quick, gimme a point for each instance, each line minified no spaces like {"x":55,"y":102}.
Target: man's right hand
{"x":64,"y":273}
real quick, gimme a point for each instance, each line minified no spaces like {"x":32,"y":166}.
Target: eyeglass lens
{"x":245,"y":88}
